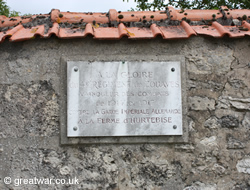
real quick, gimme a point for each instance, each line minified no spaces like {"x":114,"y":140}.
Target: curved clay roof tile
{"x":169,"y":24}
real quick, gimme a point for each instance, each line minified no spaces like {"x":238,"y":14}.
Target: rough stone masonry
{"x":216,"y":156}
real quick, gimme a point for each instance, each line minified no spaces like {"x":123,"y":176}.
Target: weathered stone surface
{"x":209,"y":85}
{"x":34,"y":107}
{"x":217,"y":73}
{"x":53,"y":159}
{"x":229,"y":121}
{"x":240,"y":103}
{"x":241,"y":60}
{"x":211,"y":141}
{"x":199,"y":103}
{"x":233,"y":143}
{"x":185,"y":147}
{"x":243,"y":166}
{"x":201,"y":186}
{"x":241,"y":186}
{"x":65,"y":170}
{"x":239,"y":115}
{"x":238,"y":83}
{"x":212,"y":123}
{"x":246,"y":121}
{"x":205,"y":60}
{"x":219,"y":169}
{"x":222,"y":103}
{"x":225,"y":102}
{"x":225,"y":184}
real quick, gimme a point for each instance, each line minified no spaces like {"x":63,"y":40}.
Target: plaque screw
{"x":75,"y":128}
{"x":75,"y":69}
{"x":173,"y":69}
{"x":175,"y":127}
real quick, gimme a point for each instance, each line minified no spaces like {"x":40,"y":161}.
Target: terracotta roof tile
{"x":53,"y":30}
{"x":169,"y":24}
{"x":206,"y":30}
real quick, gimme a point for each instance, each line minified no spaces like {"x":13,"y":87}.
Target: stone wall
{"x":217,"y":155}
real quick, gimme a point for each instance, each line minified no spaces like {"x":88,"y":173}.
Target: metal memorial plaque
{"x":123,"y":99}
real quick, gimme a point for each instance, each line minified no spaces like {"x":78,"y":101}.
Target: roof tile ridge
{"x":15,"y":29}
{"x":74,"y":17}
{"x":11,"y":32}
{"x":246,"y":25}
{"x":28,"y":33}
{"x":11,"y":21}
{"x":135,"y":16}
{"x":222,"y":31}
{"x":197,"y":15}
{"x":156,"y":30}
{"x":53,"y":30}
{"x":171,"y":13}
{"x":54,"y":15}
{"x":2,"y":17}
{"x":123,"y":31}
{"x":189,"y":30}
{"x":38,"y":30}
{"x":89,"y":29}
{"x":112,"y":15}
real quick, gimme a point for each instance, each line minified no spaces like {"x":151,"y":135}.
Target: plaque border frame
{"x":121,"y":139}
